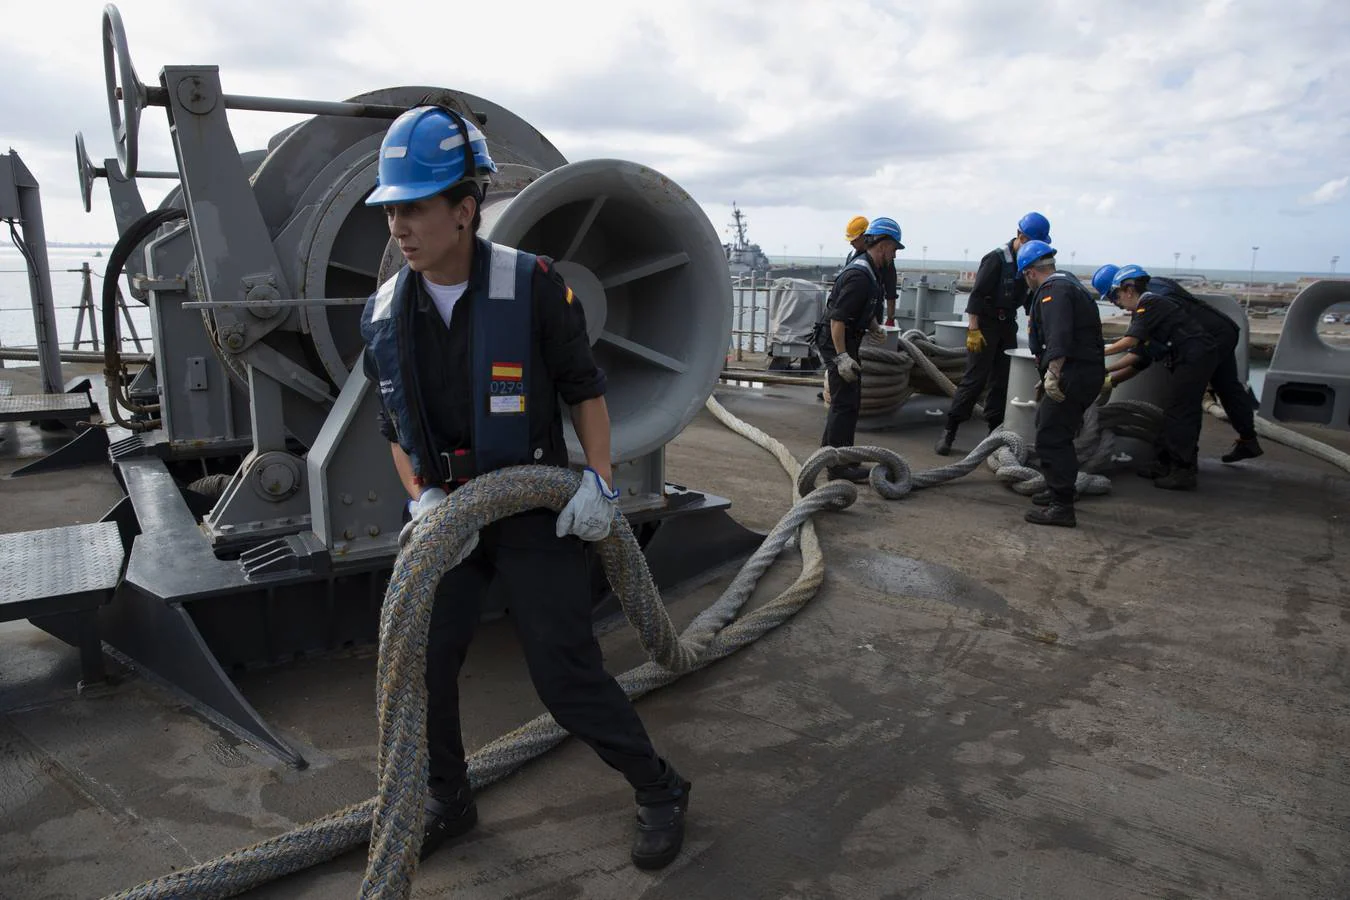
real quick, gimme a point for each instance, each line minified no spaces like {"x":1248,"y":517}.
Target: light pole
{"x":1192,"y":262}
{"x":1251,"y":278}
{"x":965,"y":258}
{"x":1073,"y":254}
{"x":820,"y":255}
{"x":924,"y":264}
{"x":1176,"y":262}
{"x":1334,"y":260}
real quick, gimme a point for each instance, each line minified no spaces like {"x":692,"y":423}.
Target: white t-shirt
{"x":445,"y":296}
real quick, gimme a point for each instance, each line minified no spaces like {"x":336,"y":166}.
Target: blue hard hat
{"x":1101,"y":279}
{"x":425,"y":151}
{"x":1127,"y":273}
{"x":884,"y":227}
{"x":1035,"y":226}
{"x":1032,"y":251}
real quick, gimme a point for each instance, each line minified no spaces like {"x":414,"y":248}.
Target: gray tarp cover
{"x":795,"y":305}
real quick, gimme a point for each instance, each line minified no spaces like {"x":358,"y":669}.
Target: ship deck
{"x":1151,"y":705}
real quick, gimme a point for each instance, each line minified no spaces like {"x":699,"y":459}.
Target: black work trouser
{"x":1230,"y":389}
{"x":841,"y":422}
{"x":548,"y":590}
{"x":1058,"y":423}
{"x":1184,"y":411}
{"x":989,"y":366}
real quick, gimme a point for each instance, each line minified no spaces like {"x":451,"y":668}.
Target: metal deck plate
{"x":57,"y":562}
{"x":45,"y":406}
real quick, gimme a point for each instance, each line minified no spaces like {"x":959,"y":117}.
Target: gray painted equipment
{"x":255,"y":302}
{"x":951,"y":334}
{"x":1019,"y":415}
{"x":1308,"y":379}
{"x":925,"y":300}
{"x":21,"y":206}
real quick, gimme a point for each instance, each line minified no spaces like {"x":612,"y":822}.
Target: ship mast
{"x":739,"y":224}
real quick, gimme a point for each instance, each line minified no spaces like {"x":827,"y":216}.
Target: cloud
{"x":1153,"y":125}
{"x":1329,"y":192}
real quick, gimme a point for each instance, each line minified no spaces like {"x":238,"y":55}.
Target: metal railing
{"x":87,"y":309}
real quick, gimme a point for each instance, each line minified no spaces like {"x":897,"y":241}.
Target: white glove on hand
{"x":590,"y":512}
{"x":847,"y":367}
{"x":1052,"y":388}
{"x":431,"y":498}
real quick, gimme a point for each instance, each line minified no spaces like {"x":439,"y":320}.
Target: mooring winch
{"x":255,"y":296}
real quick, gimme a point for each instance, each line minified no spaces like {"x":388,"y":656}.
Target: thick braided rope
{"x":392,"y":822}
{"x":1290,"y":438}
{"x":889,"y":377}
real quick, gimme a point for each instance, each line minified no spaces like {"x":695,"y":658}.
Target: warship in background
{"x":743,"y":257}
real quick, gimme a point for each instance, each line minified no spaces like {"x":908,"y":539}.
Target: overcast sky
{"x":1140,"y":128}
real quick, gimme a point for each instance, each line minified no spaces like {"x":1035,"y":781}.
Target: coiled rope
{"x":920,"y":366}
{"x":392,"y":822}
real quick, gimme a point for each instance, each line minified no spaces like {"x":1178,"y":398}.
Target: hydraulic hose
{"x":114,"y":370}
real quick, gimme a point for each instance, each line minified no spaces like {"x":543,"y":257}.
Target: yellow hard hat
{"x":856,"y":226}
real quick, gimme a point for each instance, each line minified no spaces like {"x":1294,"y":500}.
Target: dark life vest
{"x":501,"y":351}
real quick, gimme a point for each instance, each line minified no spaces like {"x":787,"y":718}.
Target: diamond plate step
{"x":58,"y":570}
{"x":26,"y":407}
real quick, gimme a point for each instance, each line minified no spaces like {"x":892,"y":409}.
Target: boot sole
{"x":1072,"y":523}
{"x":441,"y":837}
{"x":659,"y":860}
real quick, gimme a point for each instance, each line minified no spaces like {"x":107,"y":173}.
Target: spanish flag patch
{"x":507,"y":371}
{"x":570,"y":296}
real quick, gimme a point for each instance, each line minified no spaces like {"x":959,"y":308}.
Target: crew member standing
{"x":889,"y":279}
{"x":1168,"y":332}
{"x":1066,"y":339}
{"x":991,"y":323}
{"x":849,"y":314}
{"x":472,"y":344}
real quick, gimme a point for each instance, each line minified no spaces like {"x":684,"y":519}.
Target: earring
{"x":459,"y":227}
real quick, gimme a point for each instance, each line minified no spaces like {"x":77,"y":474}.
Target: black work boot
{"x":1178,"y":479}
{"x":1243,"y":448}
{"x":448,"y":818}
{"x":855,"y":474}
{"x":1055,"y":514}
{"x":660,"y":830}
{"x":1045,"y":498}
{"x":944,"y":444}
{"x":1155,"y":469}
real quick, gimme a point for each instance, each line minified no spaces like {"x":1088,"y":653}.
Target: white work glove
{"x":590,"y":512}
{"x":1052,"y":388}
{"x":847,"y":367}
{"x":430,"y":498}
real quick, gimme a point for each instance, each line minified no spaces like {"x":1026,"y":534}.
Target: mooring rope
{"x":392,"y":822}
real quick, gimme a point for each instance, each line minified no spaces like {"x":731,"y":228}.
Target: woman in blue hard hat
{"x":1066,"y":339}
{"x":1162,"y":327}
{"x":851,"y":312}
{"x":991,"y":330}
{"x":472,"y":344}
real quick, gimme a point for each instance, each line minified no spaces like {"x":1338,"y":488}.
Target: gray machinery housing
{"x":255,"y":299}
{"x":1308,"y":379}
